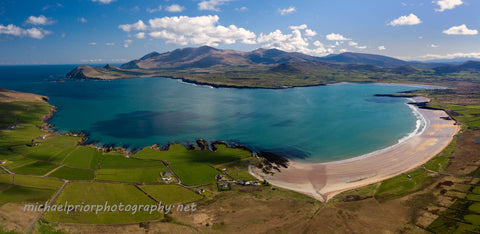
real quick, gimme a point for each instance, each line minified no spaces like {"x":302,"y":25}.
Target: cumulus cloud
{"x":37,"y":33}
{"x":460,"y":30}
{"x":92,"y":43}
{"x":140,"y":35}
{"x":211,"y":5}
{"x":200,"y":30}
{"x":127,"y":43}
{"x":153,"y":10}
{"x":139,"y":25}
{"x":310,"y":33}
{"x":174,"y":8}
{"x":40,"y":20}
{"x":287,"y":11}
{"x":83,"y":20}
{"x":405,"y":20}
{"x":433,"y":45}
{"x":110,"y":44}
{"x":104,"y":1}
{"x":336,"y":37}
{"x":293,"y":41}
{"x":447,"y":4}
{"x":381,"y":48}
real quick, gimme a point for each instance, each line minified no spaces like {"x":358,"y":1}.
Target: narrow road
{"x":52,"y":199}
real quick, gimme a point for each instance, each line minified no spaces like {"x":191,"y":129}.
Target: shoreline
{"x":323,"y":181}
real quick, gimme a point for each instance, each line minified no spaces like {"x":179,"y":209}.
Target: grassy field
{"x":402,"y":185}
{"x":73,"y":174}
{"x":96,"y":193}
{"x":37,"y":182}
{"x":6,"y":179}
{"x":37,"y":168}
{"x":170,"y":194}
{"x":178,"y":153}
{"x":194,"y":173}
{"x":84,"y":158}
{"x":117,"y":160}
{"x":150,"y":175}
{"x":18,"y":194}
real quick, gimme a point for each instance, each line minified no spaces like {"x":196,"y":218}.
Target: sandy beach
{"x":323,"y":181}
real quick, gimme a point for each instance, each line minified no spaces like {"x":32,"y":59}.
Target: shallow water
{"x":323,"y":123}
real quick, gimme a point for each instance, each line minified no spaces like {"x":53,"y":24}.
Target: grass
{"x":73,"y":174}
{"x":362,"y":192}
{"x":178,"y":153}
{"x":402,"y":185}
{"x":237,"y":169}
{"x":475,"y":207}
{"x":84,"y":158}
{"x":476,"y":190}
{"x":95,"y":193}
{"x":473,"y":197}
{"x":473,"y":219}
{"x":170,"y":194}
{"x":19,"y":194}
{"x":37,"y":168}
{"x":6,"y":179}
{"x":150,"y":175}
{"x":194,"y":173}
{"x":117,"y":160}
{"x":37,"y":182}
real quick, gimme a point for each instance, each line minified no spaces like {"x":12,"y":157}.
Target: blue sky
{"x":106,"y":31}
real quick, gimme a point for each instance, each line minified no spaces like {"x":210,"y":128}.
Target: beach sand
{"x":323,"y":181}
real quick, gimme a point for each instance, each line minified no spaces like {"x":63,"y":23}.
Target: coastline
{"x":323,"y":181}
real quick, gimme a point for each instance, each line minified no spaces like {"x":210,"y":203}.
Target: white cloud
{"x":127,"y":43}
{"x":405,"y":20}
{"x":37,"y":33}
{"x":336,"y":37}
{"x":92,"y":43}
{"x":63,"y":35}
{"x":317,"y":43}
{"x":83,"y":20}
{"x":293,"y":42}
{"x":381,"y":48}
{"x":110,"y":44}
{"x":447,"y":4}
{"x":355,"y":45}
{"x":450,"y":56}
{"x":150,"y":10}
{"x":103,"y":1}
{"x":241,"y":9}
{"x":140,"y":35}
{"x":299,"y":27}
{"x":200,"y":30}
{"x":287,"y":11}
{"x":40,"y":20}
{"x":460,"y":30}
{"x":211,"y":5}
{"x":433,"y":45}
{"x":174,"y":8}
{"x":343,"y":50}
{"x":310,"y":33}
{"x":139,"y":25}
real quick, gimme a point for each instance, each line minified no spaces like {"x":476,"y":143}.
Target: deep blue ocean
{"x":322,"y":123}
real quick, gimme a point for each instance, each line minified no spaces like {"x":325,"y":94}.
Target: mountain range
{"x":230,"y":67}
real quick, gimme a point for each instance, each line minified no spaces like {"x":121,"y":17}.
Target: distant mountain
{"x":360,"y":58}
{"x":205,"y":56}
{"x":469,"y":66}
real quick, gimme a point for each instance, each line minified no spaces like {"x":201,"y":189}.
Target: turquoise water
{"x":323,"y":123}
